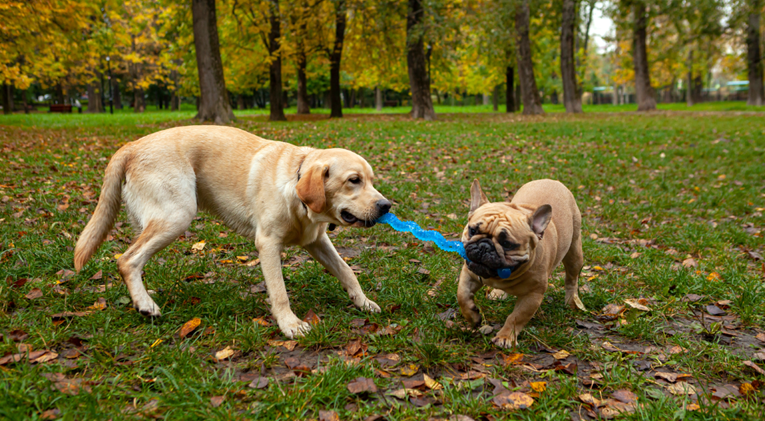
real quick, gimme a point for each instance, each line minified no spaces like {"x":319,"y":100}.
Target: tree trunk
{"x":7,"y":98}
{"x":689,"y":97}
{"x":302,"y":86}
{"x":214,"y":104}
{"x":495,"y":98}
{"x":643,"y":90}
{"x":510,"y":90}
{"x":378,"y":98}
{"x":24,"y":101}
{"x":94,"y":97}
{"x":572,"y":97}
{"x":532,"y":104}
{"x":419,"y":79}
{"x":275,"y":71}
{"x":334,"y":60}
{"x":117,"y":94}
{"x":139,"y":104}
{"x":754,"y":57}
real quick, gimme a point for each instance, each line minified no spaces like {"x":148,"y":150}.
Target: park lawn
{"x":672,"y":206}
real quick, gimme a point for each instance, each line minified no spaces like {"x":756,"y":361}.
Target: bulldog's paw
{"x":293,"y":327}
{"x":504,"y":341}
{"x":368,"y":305}
{"x":496,"y":295}
{"x":147,"y":307}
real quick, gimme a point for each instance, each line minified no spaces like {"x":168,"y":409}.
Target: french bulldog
{"x":531,"y":235}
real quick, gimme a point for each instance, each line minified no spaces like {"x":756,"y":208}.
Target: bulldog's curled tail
{"x":106,"y":211}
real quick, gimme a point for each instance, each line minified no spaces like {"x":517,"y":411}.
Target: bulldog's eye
{"x":355,"y":180}
{"x":472,"y":231}
{"x":507,"y":245}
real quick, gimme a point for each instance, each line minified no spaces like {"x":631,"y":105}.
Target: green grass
{"x":654,"y":190}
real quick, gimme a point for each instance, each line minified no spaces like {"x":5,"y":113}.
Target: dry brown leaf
{"x":625,"y":396}
{"x":259,"y":383}
{"x":754,"y":367}
{"x":404,"y":392}
{"x":45,"y":357}
{"x":636,"y":304}
{"x":761,"y":337}
{"x":561,"y":355}
{"x":189,"y":327}
{"x":328,"y":416}
{"x":34,"y":293}
{"x":612,"y":310}
{"x":590,"y":400}
{"x":224,"y":353}
{"x":677,"y":350}
{"x":514,"y":400}
{"x":431,"y":384}
{"x":681,"y":388}
{"x":690,"y":262}
{"x":216,"y":401}
{"x":290,"y":345}
{"x":670,"y":377}
{"x":361,"y":385}
{"x":311,"y":318}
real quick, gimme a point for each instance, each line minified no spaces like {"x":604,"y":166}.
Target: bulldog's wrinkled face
{"x":500,"y":235}
{"x":338,"y":185}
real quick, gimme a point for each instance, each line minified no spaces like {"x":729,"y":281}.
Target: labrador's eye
{"x":472,"y":231}
{"x":355,"y":180}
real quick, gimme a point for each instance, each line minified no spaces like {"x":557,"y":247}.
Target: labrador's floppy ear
{"x":477,"y":198}
{"x":310,"y":188}
{"x":540,"y":219}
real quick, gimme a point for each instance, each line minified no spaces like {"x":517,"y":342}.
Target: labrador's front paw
{"x":293,"y":327}
{"x":505,"y":341}
{"x":146,"y":306}
{"x":368,"y":305}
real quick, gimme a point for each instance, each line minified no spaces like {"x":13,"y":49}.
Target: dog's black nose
{"x":383,"y":206}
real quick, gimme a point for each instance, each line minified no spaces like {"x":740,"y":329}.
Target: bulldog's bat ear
{"x":539,"y":220}
{"x":310,"y":188}
{"x":477,"y":198}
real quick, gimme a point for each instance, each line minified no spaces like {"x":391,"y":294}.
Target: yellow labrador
{"x":274,"y":193}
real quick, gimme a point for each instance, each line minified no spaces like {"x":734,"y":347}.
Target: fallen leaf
{"x":512,"y":359}
{"x":538,"y":386}
{"x":746,"y":389}
{"x":714,"y":310}
{"x":261,"y":321}
{"x":714,"y":277}
{"x":100,"y":304}
{"x":431,"y":384}
{"x":634,"y":255}
{"x":681,"y":388}
{"x":224,"y":353}
{"x":514,"y":400}
{"x":198,"y":246}
{"x":216,"y":401}
{"x":189,"y":327}
{"x":409,"y":370}
{"x":590,"y":400}
{"x":69,"y":314}
{"x":624,"y":395}
{"x":259,"y":383}
{"x":45,"y":357}
{"x":761,"y":337}
{"x":403,"y":393}
{"x":692,"y":298}
{"x":98,"y":275}
{"x":754,"y":367}
{"x":361,"y":385}
{"x":328,"y":416}
{"x":252,"y":263}
{"x":612,"y":310}
{"x":677,"y":350}
{"x":690,"y":262}
{"x":34,"y":293}
{"x":636,"y":304}
{"x":670,"y":377}
{"x":311,"y":318}
{"x":561,"y":355}
{"x":50,"y":414}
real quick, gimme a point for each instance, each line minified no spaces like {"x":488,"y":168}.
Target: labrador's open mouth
{"x":351,"y":219}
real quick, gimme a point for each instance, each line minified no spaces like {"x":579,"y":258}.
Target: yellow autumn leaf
{"x":431,"y":384}
{"x":409,"y":370}
{"x":539,"y":386}
{"x":198,"y":246}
